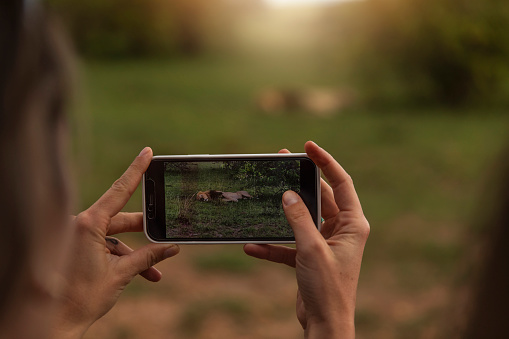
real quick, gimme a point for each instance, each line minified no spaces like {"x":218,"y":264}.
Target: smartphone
{"x":235,"y":198}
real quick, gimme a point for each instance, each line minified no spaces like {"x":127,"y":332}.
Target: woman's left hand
{"x":102,"y":266}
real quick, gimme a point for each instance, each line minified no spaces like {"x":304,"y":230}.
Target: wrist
{"x":68,"y":327}
{"x":62,"y":332}
{"x":65,"y":329}
{"x":344,"y":329}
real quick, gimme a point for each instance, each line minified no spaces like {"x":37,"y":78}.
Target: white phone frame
{"x":202,"y":157}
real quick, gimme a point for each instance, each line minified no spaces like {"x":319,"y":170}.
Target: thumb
{"x":145,"y":257}
{"x":300,"y":220}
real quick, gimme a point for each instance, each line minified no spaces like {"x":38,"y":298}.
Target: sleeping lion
{"x":224,"y":196}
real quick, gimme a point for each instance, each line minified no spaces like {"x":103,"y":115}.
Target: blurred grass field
{"x":419,"y":175}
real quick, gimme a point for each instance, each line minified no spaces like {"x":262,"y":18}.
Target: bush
{"x":444,"y":51}
{"x":128,"y":28}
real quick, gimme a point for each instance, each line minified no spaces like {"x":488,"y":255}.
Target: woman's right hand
{"x":327,"y":263}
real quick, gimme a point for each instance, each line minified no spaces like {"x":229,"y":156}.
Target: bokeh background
{"x":410,"y":96}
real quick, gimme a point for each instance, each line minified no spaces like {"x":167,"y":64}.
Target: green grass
{"x":418,"y":173}
{"x":257,"y":216}
{"x":229,"y":261}
{"x":196,"y":107}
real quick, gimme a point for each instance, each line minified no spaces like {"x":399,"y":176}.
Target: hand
{"x":327,"y":264}
{"x":100,"y":265}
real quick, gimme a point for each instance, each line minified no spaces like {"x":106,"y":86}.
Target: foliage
{"x":450,"y":52}
{"x":445,"y":51}
{"x":126,"y":28}
{"x":278,"y":175}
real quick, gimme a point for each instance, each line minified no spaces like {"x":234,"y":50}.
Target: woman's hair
{"x":34,"y":84}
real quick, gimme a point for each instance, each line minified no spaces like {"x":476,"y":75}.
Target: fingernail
{"x":171,"y":251}
{"x":311,"y":141}
{"x":144,"y":151}
{"x":290,"y":198}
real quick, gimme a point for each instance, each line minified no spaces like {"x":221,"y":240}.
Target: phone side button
{"x":151,"y":201}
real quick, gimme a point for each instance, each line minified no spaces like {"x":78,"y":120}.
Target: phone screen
{"x":228,"y":200}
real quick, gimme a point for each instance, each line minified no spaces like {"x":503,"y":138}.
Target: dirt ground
{"x":219,"y":292}
{"x":206,"y":300}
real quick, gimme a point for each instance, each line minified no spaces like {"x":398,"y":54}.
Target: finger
{"x":145,"y":257}
{"x":118,"y":248}
{"x":341,"y":183}
{"x":117,"y":196}
{"x":278,"y":254}
{"x":126,"y":222}
{"x":329,"y":210}
{"x":304,"y":229}
{"x":329,"y":206}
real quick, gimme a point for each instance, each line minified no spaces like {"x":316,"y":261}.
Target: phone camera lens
{"x":151,"y":215}
{"x":151,"y":208}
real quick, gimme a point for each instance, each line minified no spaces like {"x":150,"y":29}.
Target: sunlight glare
{"x":286,"y":3}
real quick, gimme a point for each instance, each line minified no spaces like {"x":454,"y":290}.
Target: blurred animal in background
{"x":315,"y":101}
{"x":224,"y":196}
